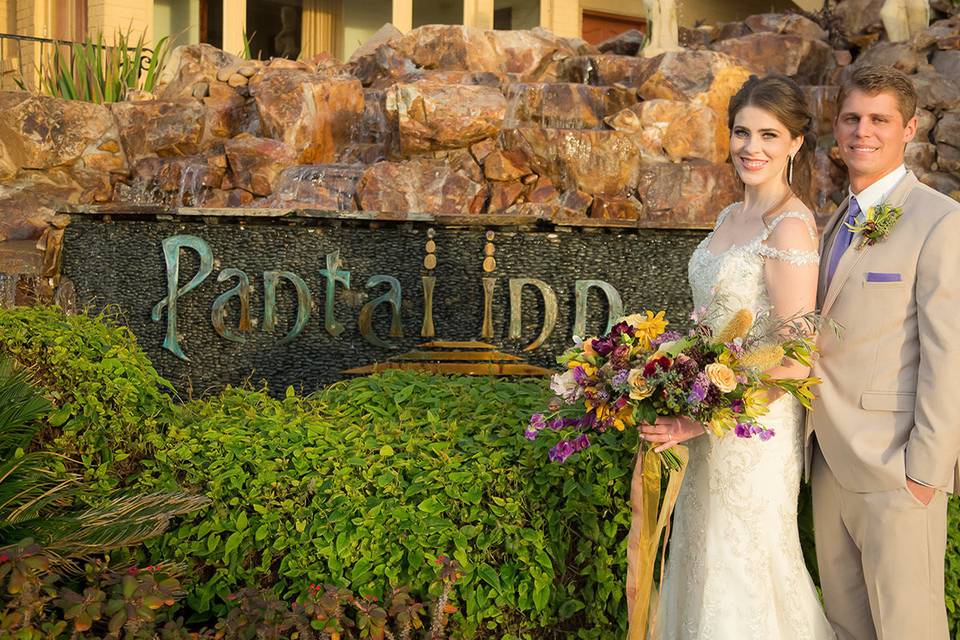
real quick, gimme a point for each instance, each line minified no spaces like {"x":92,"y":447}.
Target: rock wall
{"x":451,"y":119}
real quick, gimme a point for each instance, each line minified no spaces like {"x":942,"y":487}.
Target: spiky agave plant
{"x":42,"y":499}
{"x":94,"y":71}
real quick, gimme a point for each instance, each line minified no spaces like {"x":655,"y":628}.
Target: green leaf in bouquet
{"x":644,"y":412}
{"x":680,"y":346}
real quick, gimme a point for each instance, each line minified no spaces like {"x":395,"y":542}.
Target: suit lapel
{"x":826,"y":248}
{"x":852,"y":256}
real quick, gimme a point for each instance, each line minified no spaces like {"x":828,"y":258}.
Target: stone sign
{"x":304,"y":301}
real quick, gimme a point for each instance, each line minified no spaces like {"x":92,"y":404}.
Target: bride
{"x":735,"y":569}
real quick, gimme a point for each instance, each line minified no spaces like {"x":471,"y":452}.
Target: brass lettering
{"x":218,"y":313}
{"x":614,"y":304}
{"x":171,"y":254}
{"x":426,"y":329}
{"x":516,"y":311}
{"x":489,"y":284}
{"x":391,"y":297}
{"x":304,"y":302}
{"x":333,"y":274}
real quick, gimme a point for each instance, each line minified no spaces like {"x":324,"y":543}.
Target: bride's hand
{"x":670,"y":431}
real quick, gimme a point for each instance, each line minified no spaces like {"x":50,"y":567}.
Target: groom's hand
{"x":921,"y":492}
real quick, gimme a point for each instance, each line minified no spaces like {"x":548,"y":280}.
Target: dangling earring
{"x":790,"y":170}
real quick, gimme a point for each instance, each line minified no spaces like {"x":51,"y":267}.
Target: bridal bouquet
{"x":639,"y":370}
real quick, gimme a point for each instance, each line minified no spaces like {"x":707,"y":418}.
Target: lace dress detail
{"x":736,"y":569}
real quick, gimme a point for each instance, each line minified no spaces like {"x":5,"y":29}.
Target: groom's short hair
{"x":874,"y":79}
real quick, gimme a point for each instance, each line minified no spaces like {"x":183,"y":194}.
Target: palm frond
{"x":39,"y":495}
{"x":29,"y":488}
{"x":21,"y":407}
{"x":123,"y":521}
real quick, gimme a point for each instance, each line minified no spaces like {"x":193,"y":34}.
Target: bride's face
{"x":760,"y":145}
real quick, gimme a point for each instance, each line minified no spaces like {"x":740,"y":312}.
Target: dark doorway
{"x":273,"y":28}
{"x":211,"y":22}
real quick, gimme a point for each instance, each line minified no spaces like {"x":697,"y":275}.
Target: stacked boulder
{"x":457,"y":120}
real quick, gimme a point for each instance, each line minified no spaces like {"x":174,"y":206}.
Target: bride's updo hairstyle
{"x":783,"y":98}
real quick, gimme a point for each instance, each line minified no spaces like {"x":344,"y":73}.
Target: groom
{"x":884,"y":434}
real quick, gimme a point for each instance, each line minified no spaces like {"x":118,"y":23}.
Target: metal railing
{"x":20,"y":58}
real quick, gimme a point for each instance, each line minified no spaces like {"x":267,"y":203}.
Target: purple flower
{"x":667,"y":336}
{"x":620,"y":357}
{"x":561,"y":451}
{"x":603,"y":346}
{"x":537,"y":421}
{"x":579,"y":375}
{"x":530,"y":433}
{"x":736,"y":347}
{"x":566,"y":448}
{"x":698,"y":392}
{"x":619,"y":329}
{"x":766,"y":434}
{"x":556,"y":424}
{"x":620,"y":378}
{"x":742,"y":430}
{"x":581,"y":442}
{"x":736,"y":406}
{"x":755,"y":429}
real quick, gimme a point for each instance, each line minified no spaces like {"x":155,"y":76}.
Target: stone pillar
{"x":562,"y":17}
{"x":8,"y":10}
{"x":31,"y":20}
{"x":403,"y":15}
{"x":234,"y":23}
{"x":663,"y":25}
{"x":321,"y":28}
{"x":478,"y":13}
{"x":110,"y":18}
{"x":903,"y":19}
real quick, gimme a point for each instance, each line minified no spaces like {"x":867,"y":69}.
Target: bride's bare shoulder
{"x":793,"y":229}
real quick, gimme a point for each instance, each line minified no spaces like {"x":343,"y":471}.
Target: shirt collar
{"x":877,"y":191}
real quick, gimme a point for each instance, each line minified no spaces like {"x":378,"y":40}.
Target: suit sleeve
{"x":934,"y":444}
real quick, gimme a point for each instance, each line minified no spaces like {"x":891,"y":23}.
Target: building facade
{"x":304,"y":28}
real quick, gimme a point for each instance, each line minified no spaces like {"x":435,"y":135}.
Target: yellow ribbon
{"x":647,"y":525}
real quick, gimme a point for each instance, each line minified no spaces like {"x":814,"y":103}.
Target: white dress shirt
{"x":877,"y":192}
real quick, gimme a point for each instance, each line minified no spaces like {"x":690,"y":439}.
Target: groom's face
{"x":871,"y":134}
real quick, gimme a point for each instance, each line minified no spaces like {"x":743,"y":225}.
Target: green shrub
{"x":362,"y":485}
{"x":110,"y":403}
{"x":368,"y":482}
{"x":953,"y":566}
{"x":93,"y":71}
{"x":41,"y":602}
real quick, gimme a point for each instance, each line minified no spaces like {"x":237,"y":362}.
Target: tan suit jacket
{"x":889,"y":403}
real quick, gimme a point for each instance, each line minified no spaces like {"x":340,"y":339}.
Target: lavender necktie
{"x":843,"y":239}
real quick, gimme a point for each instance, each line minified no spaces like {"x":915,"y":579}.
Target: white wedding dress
{"x":735,"y":569}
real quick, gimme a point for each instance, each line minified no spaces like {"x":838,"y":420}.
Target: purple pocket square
{"x":873,"y":276}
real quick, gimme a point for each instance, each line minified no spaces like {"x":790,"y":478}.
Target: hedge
{"x":367,"y":483}
{"x":363,"y":484}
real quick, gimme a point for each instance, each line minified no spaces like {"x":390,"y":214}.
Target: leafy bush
{"x":367,"y":483}
{"x":41,"y":497}
{"x":42,"y":603}
{"x":111,"y":405}
{"x":953,"y":566}
{"x":106,"y":602}
{"x":363,"y":485}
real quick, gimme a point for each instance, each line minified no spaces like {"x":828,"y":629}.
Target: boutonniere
{"x":875,"y":224}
